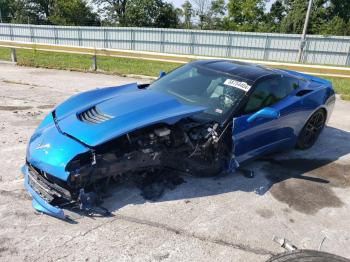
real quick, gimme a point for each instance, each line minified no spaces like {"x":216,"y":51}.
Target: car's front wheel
{"x":312,"y":129}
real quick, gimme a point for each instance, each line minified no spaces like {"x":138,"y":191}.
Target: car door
{"x":254,"y":131}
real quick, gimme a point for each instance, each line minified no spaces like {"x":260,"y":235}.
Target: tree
{"x":201,"y":8}
{"x":168,"y":16}
{"x":112,"y":10}
{"x":336,"y":26}
{"x":293,"y":22}
{"x":217,"y":11}
{"x":6,"y":10}
{"x":151,"y":13}
{"x":187,"y":13}
{"x":341,"y":9}
{"x":245,"y":15}
{"x":73,"y":12}
{"x":274,"y":17}
{"x":38,"y":10}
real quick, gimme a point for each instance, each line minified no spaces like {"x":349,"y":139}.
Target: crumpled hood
{"x":98,"y":116}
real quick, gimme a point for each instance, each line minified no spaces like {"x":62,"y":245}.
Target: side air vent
{"x":93,"y":116}
{"x":303,"y":92}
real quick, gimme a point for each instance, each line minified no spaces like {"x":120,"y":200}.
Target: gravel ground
{"x":303,"y":196}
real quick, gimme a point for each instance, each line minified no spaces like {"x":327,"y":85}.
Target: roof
{"x":243,"y":70}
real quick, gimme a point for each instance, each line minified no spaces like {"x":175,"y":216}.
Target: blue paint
{"x":266,"y":112}
{"x":255,"y":136}
{"x":50,"y":150}
{"x":57,"y":141}
{"x":161,"y":74}
{"x":38,"y":203}
{"x":129,"y":111}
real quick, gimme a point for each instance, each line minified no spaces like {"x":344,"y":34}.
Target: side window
{"x":270,"y":92}
{"x":186,"y":75}
{"x":289,"y":84}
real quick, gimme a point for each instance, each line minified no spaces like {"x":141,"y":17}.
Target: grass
{"x":341,"y":86}
{"x":114,"y":65}
{"x":120,"y":66}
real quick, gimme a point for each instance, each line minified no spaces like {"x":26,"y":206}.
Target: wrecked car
{"x":204,"y":118}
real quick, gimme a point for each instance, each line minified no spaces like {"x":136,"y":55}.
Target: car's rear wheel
{"x":306,"y":255}
{"x":312,"y":129}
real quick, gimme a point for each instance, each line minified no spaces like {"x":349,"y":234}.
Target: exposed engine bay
{"x":187,"y":147}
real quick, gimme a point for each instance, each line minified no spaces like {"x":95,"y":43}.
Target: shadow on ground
{"x":302,"y":179}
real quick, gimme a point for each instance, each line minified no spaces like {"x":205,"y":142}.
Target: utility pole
{"x":0,"y":16}
{"x":303,"y":36}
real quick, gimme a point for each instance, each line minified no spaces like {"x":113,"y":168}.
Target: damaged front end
{"x":64,"y":170}
{"x":185,"y":147}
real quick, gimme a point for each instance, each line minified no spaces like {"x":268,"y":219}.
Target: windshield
{"x":219,"y":92}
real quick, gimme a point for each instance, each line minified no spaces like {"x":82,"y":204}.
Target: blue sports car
{"x":203,"y":118}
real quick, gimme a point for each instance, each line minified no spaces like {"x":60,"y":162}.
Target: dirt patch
{"x":46,"y":106}
{"x":306,"y":184}
{"x":14,"y":108}
{"x":17,"y":194}
{"x":265,"y":213}
{"x":16,"y":213}
{"x":6,"y":247}
{"x":27,"y":123}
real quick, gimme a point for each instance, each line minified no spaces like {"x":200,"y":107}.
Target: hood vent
{"x":93,"y":116}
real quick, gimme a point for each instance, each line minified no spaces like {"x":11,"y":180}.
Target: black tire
{"x":311,"y":130}
{"x":307,"y":255}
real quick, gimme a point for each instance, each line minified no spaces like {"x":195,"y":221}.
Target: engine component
{"x":161,"y":132}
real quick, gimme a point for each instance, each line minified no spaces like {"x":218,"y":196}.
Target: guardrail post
{"x":93,"y":63}
{"x":13,"y":55}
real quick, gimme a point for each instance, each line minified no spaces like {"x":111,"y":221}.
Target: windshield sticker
{"x":219,"y":111}
{"x":241,"y":85}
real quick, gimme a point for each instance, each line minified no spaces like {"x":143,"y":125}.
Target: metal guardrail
{"x":321,"y":70}
{"x":329,"y":50}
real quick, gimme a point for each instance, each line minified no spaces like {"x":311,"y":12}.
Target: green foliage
{"x":216,"y":14}
{"x":187,"y":12}
{"x":73,"y":12}
{"x":150,"y":13}
{"x":274,"y":18}
{"x":113,"y":11}
{"x":60,"y":12}
{"x":245,"y":15}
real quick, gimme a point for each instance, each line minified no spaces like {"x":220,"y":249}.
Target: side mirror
{"x":161,"y":74}
{"x":267,"y":112}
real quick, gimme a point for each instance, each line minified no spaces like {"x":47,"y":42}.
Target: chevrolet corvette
{"x":203,"y":118}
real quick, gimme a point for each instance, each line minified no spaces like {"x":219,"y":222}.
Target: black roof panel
{"x":247,"y":71}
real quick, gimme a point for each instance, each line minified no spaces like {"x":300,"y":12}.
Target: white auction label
{"x":241,"y":85}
